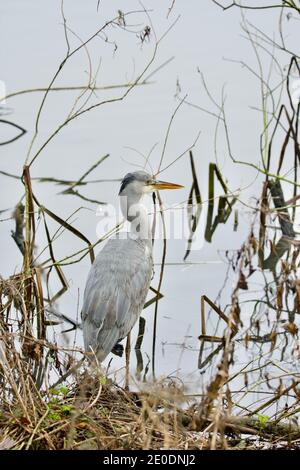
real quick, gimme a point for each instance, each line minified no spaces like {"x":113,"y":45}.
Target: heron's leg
{"x":127,"y":352}
{"x":118,"y":349}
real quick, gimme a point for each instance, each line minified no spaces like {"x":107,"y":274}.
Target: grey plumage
{"x":140,"y":176}
{"x":115,"y":293}
{"x":119,"y":279}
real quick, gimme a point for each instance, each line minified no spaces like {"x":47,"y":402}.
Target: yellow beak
{"x":165,"y":185}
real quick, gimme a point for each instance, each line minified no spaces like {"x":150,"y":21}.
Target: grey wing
{"x":115,"y":294}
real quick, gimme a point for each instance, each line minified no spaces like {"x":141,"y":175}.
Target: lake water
{"x":204,"y":38}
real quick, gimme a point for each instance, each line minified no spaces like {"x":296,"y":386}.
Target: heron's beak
{"x":165,"y":185}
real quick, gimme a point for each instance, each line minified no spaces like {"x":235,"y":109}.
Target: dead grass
{"x":94,"y":413}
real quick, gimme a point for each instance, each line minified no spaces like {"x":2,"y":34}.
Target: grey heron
{"x":119,"y":279}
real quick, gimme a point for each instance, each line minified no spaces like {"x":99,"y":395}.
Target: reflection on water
{"x":225,"y":311}
{"x":249,"y":318}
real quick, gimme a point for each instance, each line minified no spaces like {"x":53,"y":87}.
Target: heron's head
{"x":139,"y":183}
{"x":133,"y":187}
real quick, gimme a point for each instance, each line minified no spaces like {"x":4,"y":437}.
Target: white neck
{"x":136,"y":213}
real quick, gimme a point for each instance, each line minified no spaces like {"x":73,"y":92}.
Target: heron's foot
{"x":118,"y":349}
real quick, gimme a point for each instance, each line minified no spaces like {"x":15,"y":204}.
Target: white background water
{"x":204,"y":37}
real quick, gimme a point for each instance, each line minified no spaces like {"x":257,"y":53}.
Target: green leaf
{"x":57,"y":390}
{"x":102,"y":380}
{"x":66,"y":409}
{"x":63,"y":389}
{"x":54,"y":416}
{"x":263,"y":419}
